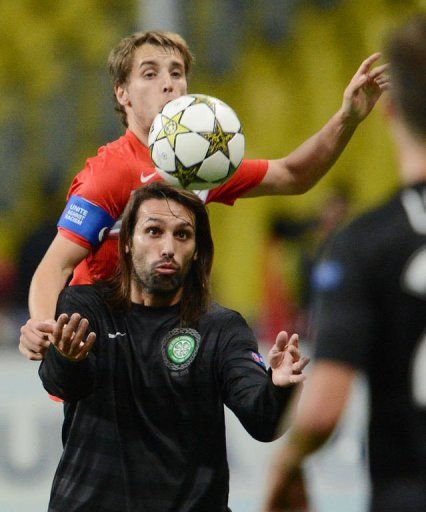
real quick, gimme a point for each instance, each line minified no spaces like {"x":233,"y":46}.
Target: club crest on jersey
{"x":179,"y":348}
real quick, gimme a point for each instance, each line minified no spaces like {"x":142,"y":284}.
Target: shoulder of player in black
{"x":217,"y":311}
{"x":371,"y":227}
{"x":83,"y":291}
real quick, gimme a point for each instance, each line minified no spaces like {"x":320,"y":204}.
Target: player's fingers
{"x":30,"y":354}
{"x":68,"y":332}
{"x":367,"y":63}
{"x":295,"y":378}
{"x":58,"y":329}
{"x":79,"y":334}
{"x":298,"y":366}
{"x":355,"y":84}
{"x":34,"y":342}
{"x":90,"y":340}
{"x":281,"y":341}
{"x":374,"y":73}
{"x":385,"y":86}
{"x":34,"y":339}
{"x":45,"y":327}
{"x":381,"y":79}
{"x":294,"y":340}
{"x":293,"y":351}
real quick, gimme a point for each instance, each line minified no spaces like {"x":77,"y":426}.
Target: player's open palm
{"x":69,"y":337}
{"x":365,"y":88}
{"x":285,"y":360}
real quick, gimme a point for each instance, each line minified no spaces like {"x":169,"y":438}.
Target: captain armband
{"x":86,"y":219}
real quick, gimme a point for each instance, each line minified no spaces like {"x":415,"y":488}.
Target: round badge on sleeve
{"x":179,"y":348}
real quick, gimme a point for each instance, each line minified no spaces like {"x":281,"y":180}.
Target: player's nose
{"x":167,"y":83}
{"x":167,"y":249}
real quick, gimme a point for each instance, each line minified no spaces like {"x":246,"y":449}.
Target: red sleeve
{"x":248,"y":175}
{"x":79,"y":240}
{"x":105,"y":181}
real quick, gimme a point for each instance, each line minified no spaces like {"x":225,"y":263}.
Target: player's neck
{"x":139,"y":131}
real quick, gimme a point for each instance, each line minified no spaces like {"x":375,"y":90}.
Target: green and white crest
{"x":180,"y":347}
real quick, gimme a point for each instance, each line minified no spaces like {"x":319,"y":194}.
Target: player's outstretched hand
{"x":34,"y":340}
{"x":285,"y":360}
{"x":68,"y":337}
{"x":365,"y":88}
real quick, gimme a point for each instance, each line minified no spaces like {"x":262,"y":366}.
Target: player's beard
{"x":154,"y":283}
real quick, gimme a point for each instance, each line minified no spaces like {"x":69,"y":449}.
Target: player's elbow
{"x":264,"y":431}
{"x":285,"y":177}
{"x":264,"y":436}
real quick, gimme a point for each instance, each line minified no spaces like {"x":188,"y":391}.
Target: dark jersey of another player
{"x":371,"y":314}
{"x":100,"y":192}
{"x":144,"y":419}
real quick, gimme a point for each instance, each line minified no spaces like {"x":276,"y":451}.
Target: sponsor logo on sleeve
{"x":327,"y":275}
{"x":258,"y":359}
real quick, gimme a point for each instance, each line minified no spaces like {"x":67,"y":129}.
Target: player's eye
{"x":149,"y":74}
{"x":153,"y":230}
{"x":177,"y":74}
{"x":183,"y":234}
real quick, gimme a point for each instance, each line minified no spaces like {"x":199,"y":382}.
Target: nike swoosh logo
{"x":145,"y":179}
{"x":112,"y":336}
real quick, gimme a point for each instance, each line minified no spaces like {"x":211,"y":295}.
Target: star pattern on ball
{"x":204,"y":100}
{"x":185,"y":175}
{"x":172,"y":128}
{"x":218,"y":140}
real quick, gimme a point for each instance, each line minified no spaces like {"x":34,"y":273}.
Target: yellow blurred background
{"x":57,"y":107}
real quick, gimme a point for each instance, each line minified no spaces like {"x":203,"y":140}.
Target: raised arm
{"x":49,"y":279}
{"x":300,"y":170}
{"x":258,"y":397}
{"x":68,"y":370}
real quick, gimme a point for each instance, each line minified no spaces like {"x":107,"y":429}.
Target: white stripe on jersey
{"x":415,"y":207}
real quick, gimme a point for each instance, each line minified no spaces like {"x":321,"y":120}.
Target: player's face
{"x":163,"y":248}
{"x":157,"y":76}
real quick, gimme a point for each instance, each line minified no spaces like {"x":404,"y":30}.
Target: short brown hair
{"x":196,"y":288}
{"x":406,"y":52}
{"x":120,"y":59}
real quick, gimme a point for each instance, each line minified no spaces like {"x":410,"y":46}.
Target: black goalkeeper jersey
{"x":144,"y":419}
{"x":371,"y":314}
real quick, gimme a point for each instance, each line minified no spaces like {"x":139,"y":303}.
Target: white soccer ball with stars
{"x":196,"y":142}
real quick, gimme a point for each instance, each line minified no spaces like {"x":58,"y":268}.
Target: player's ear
{"x":127,"y":249}
{"x":122,"y":95}
{"x":195,"y":257}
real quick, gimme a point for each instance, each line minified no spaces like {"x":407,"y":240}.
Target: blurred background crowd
{"x":281,"y":64}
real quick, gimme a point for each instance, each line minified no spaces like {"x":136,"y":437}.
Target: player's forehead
{"x":147,"y":54}
{"x":165,"y":211}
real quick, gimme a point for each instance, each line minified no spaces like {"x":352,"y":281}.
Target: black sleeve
{"x":65,"y":379}
{"x":61,"y":377}
{"x":247,"y":388}
{"x":343,"y":318}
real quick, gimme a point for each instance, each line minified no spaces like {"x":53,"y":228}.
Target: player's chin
{"x":166,"y":283}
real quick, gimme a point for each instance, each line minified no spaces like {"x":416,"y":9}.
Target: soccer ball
{"x":196,"y":142}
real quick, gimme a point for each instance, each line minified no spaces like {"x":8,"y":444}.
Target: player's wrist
{"x":347,"y":116}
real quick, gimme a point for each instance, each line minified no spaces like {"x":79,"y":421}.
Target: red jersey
{"x":100,"y":192}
